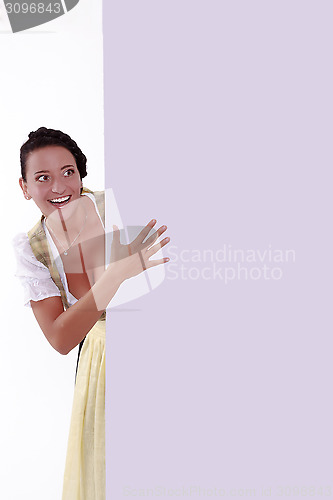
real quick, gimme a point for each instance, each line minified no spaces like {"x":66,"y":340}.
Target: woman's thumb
{"x":116,"y":232}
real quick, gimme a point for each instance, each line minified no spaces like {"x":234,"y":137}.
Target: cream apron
{"x":85,"y":463}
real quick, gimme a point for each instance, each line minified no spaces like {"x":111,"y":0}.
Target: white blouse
{"x":35,"y":276}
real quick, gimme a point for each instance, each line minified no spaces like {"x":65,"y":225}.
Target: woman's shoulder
{"x":21,"y":243}
{"x":37,"y":231}
{"x":34,"y":276}
{"x":98,"y":197}
{"x":23,"y":251}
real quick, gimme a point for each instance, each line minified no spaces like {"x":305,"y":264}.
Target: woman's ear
{"x":24,"y":189}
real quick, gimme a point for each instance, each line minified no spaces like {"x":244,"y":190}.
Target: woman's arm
{"x":65,"y":329}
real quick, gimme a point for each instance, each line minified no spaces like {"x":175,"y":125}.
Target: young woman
{"x":61,"y":263}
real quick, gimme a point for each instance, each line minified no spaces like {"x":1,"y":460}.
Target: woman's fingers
{"x":152,"y":250}
{"x":146,"y":230}
{"x":157,"y":262}
{"x":144,"y":233}
{"x":154,"y":236}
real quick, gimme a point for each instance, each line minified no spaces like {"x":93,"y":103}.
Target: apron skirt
{"x":84,"y":477}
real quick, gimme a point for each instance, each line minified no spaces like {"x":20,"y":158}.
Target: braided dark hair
{"x":49,"y":137}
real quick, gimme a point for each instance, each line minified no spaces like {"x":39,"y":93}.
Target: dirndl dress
{"x":84,"y":477}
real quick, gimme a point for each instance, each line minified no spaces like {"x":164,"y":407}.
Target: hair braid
{"x":44,"y":137}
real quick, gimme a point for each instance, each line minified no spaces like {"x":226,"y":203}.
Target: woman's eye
{"x":69,"y":172}
{"x":42,"y":178}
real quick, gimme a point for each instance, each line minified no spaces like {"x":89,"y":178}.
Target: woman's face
{"x":52,"y":179}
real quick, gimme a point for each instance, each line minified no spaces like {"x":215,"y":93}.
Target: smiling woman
{"x":68,"y":285}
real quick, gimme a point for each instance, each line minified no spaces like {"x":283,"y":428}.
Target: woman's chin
{"x":64,"y":212}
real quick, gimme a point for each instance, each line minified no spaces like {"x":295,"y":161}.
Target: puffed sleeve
{"x":34,"y":276}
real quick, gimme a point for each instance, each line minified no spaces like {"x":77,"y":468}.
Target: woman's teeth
{"x":60,"y":200}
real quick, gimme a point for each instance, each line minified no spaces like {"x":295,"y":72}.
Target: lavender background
{"x":218,"y":122}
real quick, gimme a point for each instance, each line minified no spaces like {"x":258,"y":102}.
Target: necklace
{"x":76,"y":237}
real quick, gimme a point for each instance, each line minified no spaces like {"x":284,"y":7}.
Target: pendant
{"x":65,"y":253}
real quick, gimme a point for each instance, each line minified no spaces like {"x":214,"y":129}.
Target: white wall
{"x":50,"y":76}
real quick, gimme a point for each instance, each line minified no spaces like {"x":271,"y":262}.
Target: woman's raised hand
{"x":132,"y":259}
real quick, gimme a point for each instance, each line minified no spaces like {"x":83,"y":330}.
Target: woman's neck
{"x":66,"y":223}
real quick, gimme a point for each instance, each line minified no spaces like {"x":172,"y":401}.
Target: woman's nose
{"x":58,"y":186}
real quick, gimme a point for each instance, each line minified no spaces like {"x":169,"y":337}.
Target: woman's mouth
{"x":60,"y":202}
